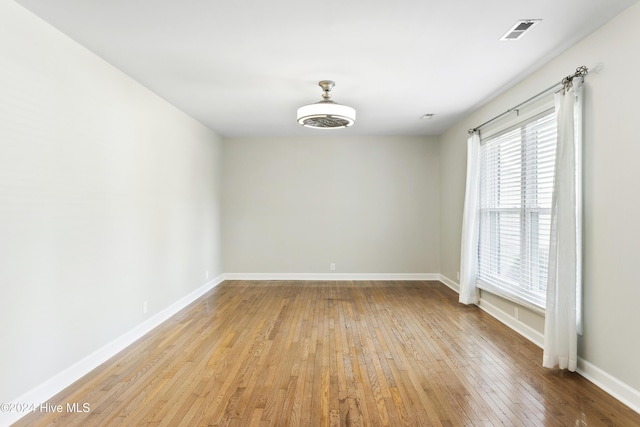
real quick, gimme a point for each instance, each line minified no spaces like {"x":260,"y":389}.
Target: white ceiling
{"x":243,"y":67}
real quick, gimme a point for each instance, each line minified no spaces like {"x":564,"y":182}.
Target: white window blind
{"x":516,"y":186}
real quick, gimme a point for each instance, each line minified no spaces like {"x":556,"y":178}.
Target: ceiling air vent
{"x":519,"y":29}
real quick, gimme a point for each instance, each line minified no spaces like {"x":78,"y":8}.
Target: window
{"x":516,"y":187}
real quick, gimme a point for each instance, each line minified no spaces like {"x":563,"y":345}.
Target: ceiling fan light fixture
{"x":326,"y":114}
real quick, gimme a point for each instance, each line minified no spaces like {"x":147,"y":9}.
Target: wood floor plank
{"x":340,"y":353}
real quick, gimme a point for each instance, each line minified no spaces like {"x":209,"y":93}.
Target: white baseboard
{"x":616,"y":388}
{"x":523,"y":329}
{"x":331,"y":276}
{"x":64,"y":379}
{"x":450,"y":283}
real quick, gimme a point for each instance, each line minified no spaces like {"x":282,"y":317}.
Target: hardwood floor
{"x":333,"y":353}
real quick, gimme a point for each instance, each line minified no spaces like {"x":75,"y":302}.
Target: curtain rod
{"x":580,"y":71}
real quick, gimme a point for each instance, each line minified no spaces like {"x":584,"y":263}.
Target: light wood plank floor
{"x":333,"y":353}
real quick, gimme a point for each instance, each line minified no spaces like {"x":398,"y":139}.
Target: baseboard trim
{"x":523,"y":329}
{"x":607,"y":382}
{"x":331,"y":276}
{"x":64,"y":379}
{"x":450,"y":283}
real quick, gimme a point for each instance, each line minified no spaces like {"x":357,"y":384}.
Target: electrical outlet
{"x":144,"y":307}
{"x":516,"y":313}
{"x":207,"y":274}
{"x":458,"y":275}
{"x":332,"y":266}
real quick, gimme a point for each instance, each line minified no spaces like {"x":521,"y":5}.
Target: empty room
{"x":409,"y":213}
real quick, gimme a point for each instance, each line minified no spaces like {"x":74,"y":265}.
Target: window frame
{"x":542,"y":109}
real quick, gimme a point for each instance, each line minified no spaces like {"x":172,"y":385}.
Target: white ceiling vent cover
{"x":519,"y":29}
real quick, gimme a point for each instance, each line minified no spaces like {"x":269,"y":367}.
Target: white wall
{"x":109,"y":197}
{"x":295,"y":205}
{"x":612,"y":207}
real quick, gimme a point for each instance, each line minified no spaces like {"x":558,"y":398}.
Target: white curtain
{"x":470,"y":224}
{"x":564,"y":285}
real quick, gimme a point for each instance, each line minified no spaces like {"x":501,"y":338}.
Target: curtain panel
{"x":564,"y":283}
{"x":469,"y":293}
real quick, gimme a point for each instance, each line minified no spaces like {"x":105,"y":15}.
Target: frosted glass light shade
{"x":326,"y":115}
